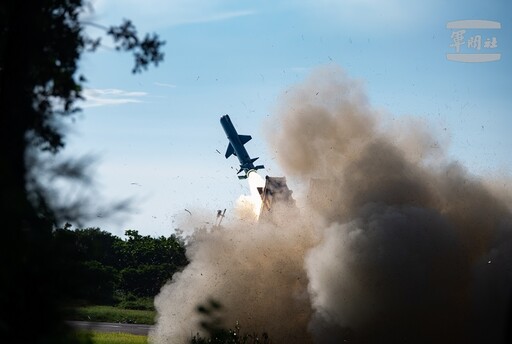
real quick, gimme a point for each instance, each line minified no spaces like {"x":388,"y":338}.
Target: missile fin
{"x":230,"y":151}
{"x":244,"y":138}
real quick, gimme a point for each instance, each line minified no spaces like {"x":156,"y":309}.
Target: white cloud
{"x":163,"y":84}
{"x":224,"y":15}
{"x":154,"y":14}
{"x":95,"y":97}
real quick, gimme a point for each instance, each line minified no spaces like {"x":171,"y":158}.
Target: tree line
{"x":101,"y":268}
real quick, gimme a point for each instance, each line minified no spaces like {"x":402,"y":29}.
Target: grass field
{"x":112,"y":338}
{"x":112,"y":314}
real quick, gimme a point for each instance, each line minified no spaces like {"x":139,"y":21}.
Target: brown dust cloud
{"x":388,"y":241}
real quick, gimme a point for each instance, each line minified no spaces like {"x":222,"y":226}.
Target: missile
{"x":236,"y":147}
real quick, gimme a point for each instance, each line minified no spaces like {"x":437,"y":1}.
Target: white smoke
{"x":393,"y":243}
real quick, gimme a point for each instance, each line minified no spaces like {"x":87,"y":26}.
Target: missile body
{"x":236,"y":147}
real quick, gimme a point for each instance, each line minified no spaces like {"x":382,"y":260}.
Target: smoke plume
{"x":391,"y":243}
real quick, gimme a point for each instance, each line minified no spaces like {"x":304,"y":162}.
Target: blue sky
{"x":156,"y":134}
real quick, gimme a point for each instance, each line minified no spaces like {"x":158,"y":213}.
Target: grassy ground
{"x":112,"y":338}
{"x":112,"y":314}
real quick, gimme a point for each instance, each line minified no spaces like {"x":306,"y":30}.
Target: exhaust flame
{"x":393,"y":242}
{"x":255,"y":182}
{"x":248,"y":206}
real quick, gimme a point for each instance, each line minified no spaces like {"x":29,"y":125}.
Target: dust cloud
{"x":390,"y":241}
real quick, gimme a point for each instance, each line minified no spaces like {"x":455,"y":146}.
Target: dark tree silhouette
{"x":107,"y":269}
{"x":40,"y":45}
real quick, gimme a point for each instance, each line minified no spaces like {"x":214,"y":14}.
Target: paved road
{"x":111,"y":327}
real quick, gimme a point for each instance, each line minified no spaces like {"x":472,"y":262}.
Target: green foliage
{"x":117,"y":338}
{"x":131,"y":301}
{"x":103,"y":267}
{"x":95,"y":282}
{"x":112,"y":314}
{"x":146,"y":263}
{"x":146,"y":280}
{"x":145,"y":51}
{"x":87,"y":257}
{"x":140,"y":250}
{"x":88,"y":244}
{"x":83,"y":337}
{"x":108,"y":338}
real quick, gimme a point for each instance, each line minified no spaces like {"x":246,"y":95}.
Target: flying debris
{"x":236,"y":147}
{"x":220,"y":217}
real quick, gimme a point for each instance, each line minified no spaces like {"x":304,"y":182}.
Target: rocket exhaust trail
{"x":248,"y":206}
{"x":255,"y":182}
